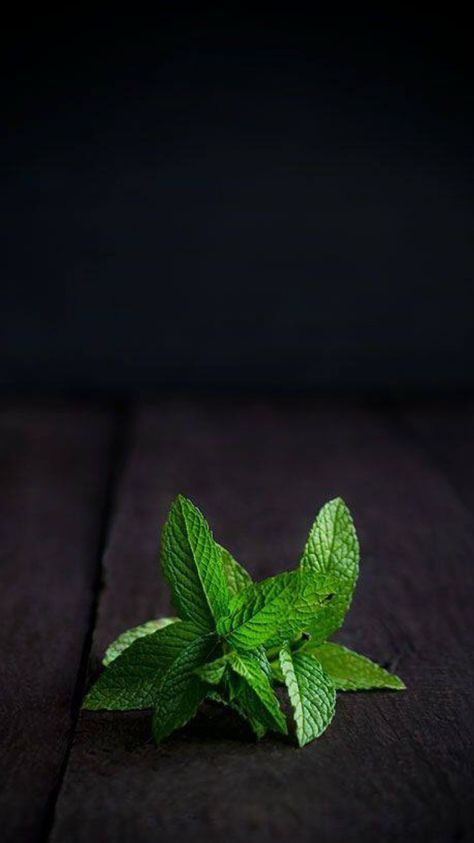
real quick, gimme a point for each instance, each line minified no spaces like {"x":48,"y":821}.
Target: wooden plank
{"x":53,"y":469}
{"x":391,"y":767}
{"x":446,"y":430}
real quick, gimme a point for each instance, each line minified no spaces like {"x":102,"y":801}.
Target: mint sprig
{"x":235,"y":641}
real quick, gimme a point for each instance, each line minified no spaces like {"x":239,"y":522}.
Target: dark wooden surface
{"x":54,"y":465}
{"x":392,"y":767}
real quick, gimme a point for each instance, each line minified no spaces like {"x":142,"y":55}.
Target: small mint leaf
{"x":213,"y":672}
{"x":192,"y":564}
{"x":245,"y":708}
{"x":350,"y":671}
{"x":254,"y":669}
{"x":332,"y":549}
{"x":126,"y":638}
{"x":311,"y":692}
{"x":248,"y":705}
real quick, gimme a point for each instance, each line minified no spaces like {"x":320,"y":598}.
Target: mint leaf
{"x":351,"y":672}
{"x":181,"y":691}
{"x":131,"y":681}
{"x":254,"y":669}
{"x":312,"y":694}
{"x":126,"y":638}
{"x":245,"y":702}
{"x":215,"y":696}
{"x":192,"y":564}
{"x":236,"y":576}
{"x":270,"y":597}
{"x":213,"y":672}
{"x":274,"y":610}
{"x":333,"y":549}
{"x":235,"y":639}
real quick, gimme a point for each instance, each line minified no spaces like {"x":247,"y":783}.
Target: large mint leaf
{"x":253,"y":668}
{"x":192,"y":564}
{"x":236,"y":575}
{"x":274,"y":610}
{"x":181,"y":691}
{"x":126,"y":638}
{"x":351,"y":672}
{"x":131,"y":681}
{"x":332,"y":549}
{"x":312,"y":694}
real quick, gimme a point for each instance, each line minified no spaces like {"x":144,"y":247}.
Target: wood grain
{"x":53,"y":469}
{"x":392,"y":767}
{"x":446,"y":431}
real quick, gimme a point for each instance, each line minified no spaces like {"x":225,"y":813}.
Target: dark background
{"x":218,"y":196}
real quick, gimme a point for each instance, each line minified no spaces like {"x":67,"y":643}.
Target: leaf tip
{"x":87,"y":703}
{"x":337,"y":501}
{"x":177,"y":502}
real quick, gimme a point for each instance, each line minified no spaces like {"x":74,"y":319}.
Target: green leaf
{"x":213,"y":672}
{"x":312,"y":694}
{"x":231,"y":627}
{"x":277,"y":675}
{"x":351,"y":672}
{"x":216,"y":697}
{"x":244,"y":708}
{"x":254,"y":669}
{"x":132,"y":680}
{"x":333,"y":549}
{"x":181,"y":691}
{"x":236,"y":575}
{"x":126,"y":638}
{"x":192,"y":564}
{"x":248,"y":706}
{"x":273,"y":611}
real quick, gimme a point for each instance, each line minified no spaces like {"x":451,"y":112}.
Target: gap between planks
{"x":117,"y":454}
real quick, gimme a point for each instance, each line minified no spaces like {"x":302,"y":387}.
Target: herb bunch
{"x":235,"y":640}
